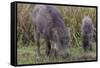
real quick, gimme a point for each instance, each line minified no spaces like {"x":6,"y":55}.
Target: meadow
{"x":26,"y":48}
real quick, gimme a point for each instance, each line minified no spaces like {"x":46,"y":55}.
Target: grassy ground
{"x":27,"y":55}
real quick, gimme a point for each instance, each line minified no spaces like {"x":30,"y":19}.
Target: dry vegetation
{"x":26,"y":51}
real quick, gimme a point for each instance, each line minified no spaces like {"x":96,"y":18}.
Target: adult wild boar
{"x":50,"y":25}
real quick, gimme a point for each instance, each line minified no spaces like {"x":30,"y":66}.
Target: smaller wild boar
{"x":87,"y":30}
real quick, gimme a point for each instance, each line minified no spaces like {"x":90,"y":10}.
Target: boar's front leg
{"x":48,"y":47}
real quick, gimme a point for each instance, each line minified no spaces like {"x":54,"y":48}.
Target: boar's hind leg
{"x":37,"y":39}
